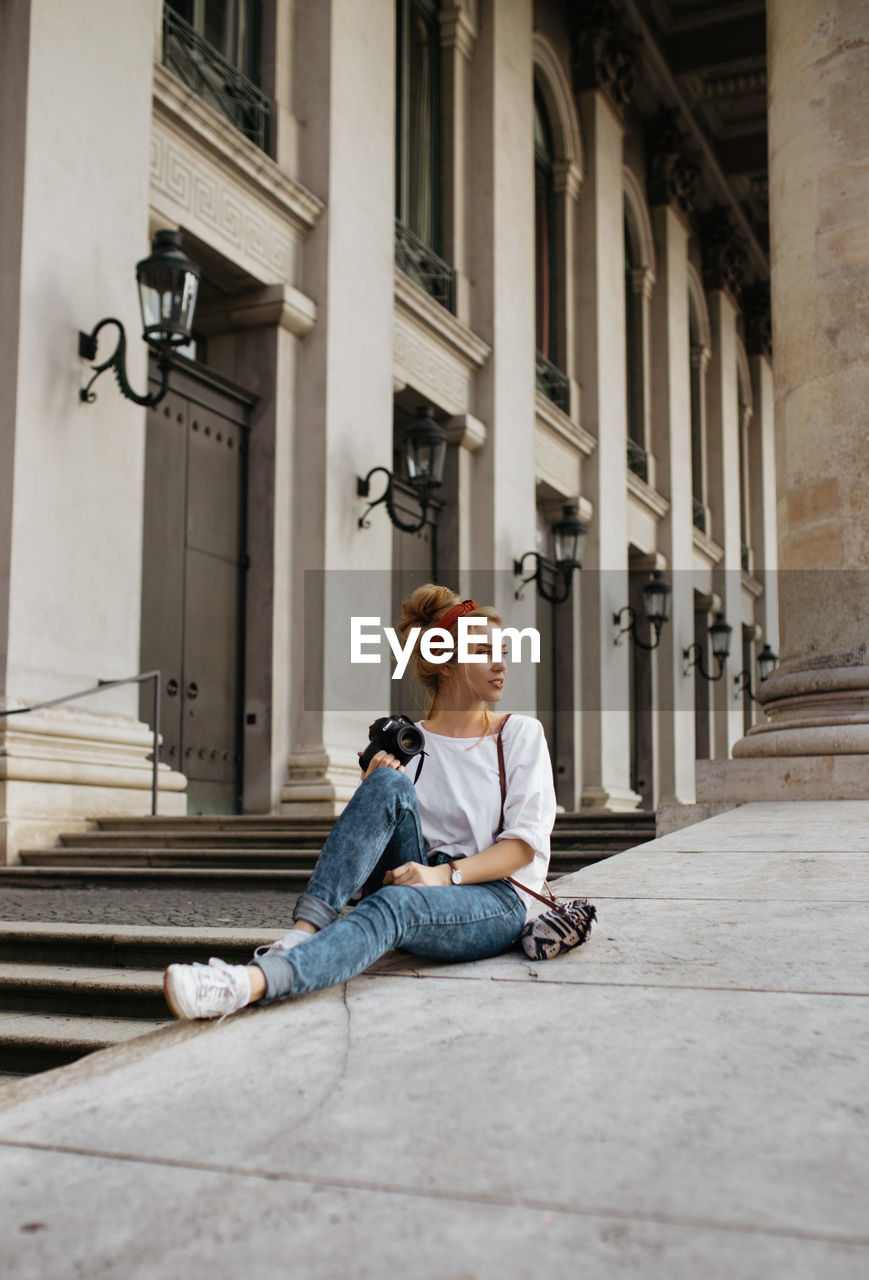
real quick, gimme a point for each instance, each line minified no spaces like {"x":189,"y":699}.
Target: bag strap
{"x":502,"y":773}
{"x":551,"y":901}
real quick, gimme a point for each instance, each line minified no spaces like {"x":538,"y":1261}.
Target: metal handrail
{"x":422,"y":264}
{"x":214,"y":78}
{"x":638,"y":460}
{"x":98,"y":688}
{"x":554,"y":384}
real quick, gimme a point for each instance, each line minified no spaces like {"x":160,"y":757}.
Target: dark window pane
{"x":633,"y":346}
{"x":184,"y":8}
{"x":544,"y":223}
{"x":420,"y":141}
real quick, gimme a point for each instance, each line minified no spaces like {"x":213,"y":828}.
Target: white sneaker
{"x":289,"y":940}
{"x":206,"y":990}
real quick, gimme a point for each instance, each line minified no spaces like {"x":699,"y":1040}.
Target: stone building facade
{"x":546,"y":220}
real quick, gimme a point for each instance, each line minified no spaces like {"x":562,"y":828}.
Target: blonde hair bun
{"x":423,"y":608}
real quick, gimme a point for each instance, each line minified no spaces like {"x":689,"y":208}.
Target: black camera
{"x":396,"y":734}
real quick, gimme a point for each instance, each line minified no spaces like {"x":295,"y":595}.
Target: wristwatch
{"x":455,"y":875}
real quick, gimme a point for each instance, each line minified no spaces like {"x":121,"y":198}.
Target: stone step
{"x":298,"y":861}
{"x":235,"y":822}
{"x":77,"y":990}
{"x":193,"y":838}
{"x":55,"y":877}
{"x":36,"y":1042}
{"x":116,"y":948}
{"x":615,"y":838}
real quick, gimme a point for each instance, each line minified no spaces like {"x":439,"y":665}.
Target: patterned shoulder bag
{"x":568,"y":922}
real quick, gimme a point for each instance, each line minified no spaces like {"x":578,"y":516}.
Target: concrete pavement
{"x":683,"y":1097}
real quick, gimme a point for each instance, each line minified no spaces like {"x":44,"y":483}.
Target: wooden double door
{"x":193,"y":572}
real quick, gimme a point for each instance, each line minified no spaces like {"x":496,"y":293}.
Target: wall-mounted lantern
{"x":554,"y":579}
{"x":424,"y":451}
{"x":168,"y":287}
{"x":657,"y":594}
{"x":767,"y":661}
{"x":720,"y":633}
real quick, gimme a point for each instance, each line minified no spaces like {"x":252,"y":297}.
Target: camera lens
{"x":410,"y":740}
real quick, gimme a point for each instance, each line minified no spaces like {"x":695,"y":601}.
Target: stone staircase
{"x":68,"y":989}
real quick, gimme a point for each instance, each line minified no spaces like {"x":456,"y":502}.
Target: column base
{"x":609,"y":799}
{"x":59,"y":771}
{"x":320,"y":783}
{"x":817,"y":777}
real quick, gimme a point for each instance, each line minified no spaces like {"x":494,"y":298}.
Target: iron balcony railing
{"x":100,"y":688}
{"x":554,"y":384}
{"x":422,"y":264}
{"x":199,"y":65}
{"x":638,"y":460}
{"x":699,"y":516}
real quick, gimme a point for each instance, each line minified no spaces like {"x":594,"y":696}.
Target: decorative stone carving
{"x":605,"y":52}
{"x":758,"y":319}
{"x":724,"y":257}
{"x":459,"y":27}
{"x":674,"y":170}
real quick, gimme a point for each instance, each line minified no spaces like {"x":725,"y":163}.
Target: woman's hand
{"x":380,"y":760}
{"x":416,"y":873}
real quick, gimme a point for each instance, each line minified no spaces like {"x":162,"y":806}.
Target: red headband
{"x":467,"y":606}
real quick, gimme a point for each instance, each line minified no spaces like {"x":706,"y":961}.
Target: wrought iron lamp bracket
{"x":631,"y":629}
{"x":742,"y":684}
{"x":87,"y":349}
{"x":363,"y":488}
{"x":540,"y":562}
{"x":693,"y":656}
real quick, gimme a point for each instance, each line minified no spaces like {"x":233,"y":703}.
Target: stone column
{"x":458,"y":37}
{"x":345,"y":76}
{"x":816,"y":742}
{"x":500,"y":236}
{"x":724,"y":498}
{"x":671,"y":412}
{"x":763,"y":497}
{"x":601,"y":369}
{"x":73,"y":222}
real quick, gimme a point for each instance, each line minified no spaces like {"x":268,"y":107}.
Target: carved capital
{"x":605,"y":52}
{"x":643,"y":282}
{"x":674,"y":170}
{"x":700,"y":358}
{"x":724,"y":256}
{"x":458,"y":28}
{"x":757,"y":313}
{"x":567,"y":177}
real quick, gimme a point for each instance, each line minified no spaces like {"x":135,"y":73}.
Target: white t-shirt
{"x":459,"y":795}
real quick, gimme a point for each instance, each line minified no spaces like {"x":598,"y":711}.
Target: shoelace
{"x":217,"y":981}
{"x":282,"y":944}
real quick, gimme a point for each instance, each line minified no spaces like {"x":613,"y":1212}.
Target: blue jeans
{"x":380,"y":829}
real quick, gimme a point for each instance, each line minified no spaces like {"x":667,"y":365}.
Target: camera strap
{"x":419,"y":766}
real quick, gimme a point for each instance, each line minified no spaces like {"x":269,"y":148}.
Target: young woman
{"x":430,"y":856}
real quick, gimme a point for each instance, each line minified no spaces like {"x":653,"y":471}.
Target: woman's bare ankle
{"x":305,"y":926}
